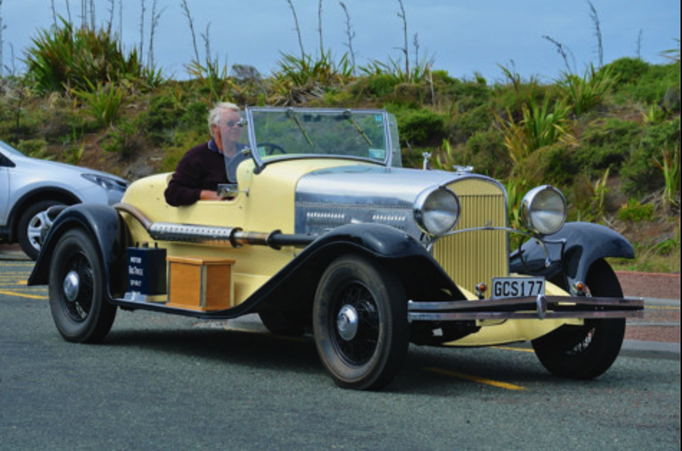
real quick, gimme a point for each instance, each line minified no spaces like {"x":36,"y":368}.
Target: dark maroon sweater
{"x":199,"y":169}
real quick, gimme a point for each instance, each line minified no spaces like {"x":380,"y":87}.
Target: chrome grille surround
{"x":475,"y":256}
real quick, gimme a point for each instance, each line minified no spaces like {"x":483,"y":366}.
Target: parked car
{"x":29,"y":186}
{"x":324,"y":232}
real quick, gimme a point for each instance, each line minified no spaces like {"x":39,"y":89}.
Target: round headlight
{"x":437,"y":211}
{"x":543,"y":210}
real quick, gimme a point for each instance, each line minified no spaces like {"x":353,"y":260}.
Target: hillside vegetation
{"x":608,"y":137}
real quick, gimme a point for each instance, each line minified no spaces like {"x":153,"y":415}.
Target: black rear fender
{"x":107,"y":230}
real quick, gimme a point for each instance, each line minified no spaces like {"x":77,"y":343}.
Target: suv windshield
{"x":278,"y":133}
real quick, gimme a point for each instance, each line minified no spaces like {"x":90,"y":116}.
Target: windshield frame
{"x":261,"y":163}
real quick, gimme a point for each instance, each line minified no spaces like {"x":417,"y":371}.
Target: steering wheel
{"x":271,"y":148}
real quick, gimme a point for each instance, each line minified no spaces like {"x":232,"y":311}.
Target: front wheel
{"x":77,"y":301}
{"x":360,"y":323}
{"x":587,"y":351}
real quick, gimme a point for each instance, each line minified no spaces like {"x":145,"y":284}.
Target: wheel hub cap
{"x":347,"y":322}
{"x":71,"y":285}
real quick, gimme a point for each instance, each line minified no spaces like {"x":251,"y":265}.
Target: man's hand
{"x":209,"y":195}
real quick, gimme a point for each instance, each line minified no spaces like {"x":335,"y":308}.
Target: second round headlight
{"x":543,"y":210}
{"x":437,"y":211}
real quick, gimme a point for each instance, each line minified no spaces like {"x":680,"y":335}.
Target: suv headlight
{"x":543,"y":210}
{"x":436,"y":211}
{"x":108,"y":183}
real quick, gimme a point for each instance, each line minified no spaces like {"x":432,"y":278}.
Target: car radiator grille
{"x":476,"y":256}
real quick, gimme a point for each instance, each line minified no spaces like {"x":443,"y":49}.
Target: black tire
{"x":588,"y":351}
{"x":30,"y":226}
{"x":360,"y":323}
{"x":77,"y":301}
{"x":289,"y":324}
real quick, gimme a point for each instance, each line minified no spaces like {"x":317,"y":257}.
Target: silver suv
{"x":29,"y":186}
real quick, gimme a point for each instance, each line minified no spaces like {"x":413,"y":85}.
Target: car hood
{"x":332,"y":197}
{"x":60,"y":169}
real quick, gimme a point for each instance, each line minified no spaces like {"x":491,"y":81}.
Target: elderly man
{"x":205,"y":166}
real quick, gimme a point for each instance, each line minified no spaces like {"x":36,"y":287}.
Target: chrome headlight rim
{"x":543,"y":210}
{"x":437,"y":211}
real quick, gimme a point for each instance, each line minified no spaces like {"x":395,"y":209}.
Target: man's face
{"x":228,"y":131}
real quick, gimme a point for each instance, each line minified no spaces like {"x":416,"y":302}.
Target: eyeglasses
{"x":234,"y":123}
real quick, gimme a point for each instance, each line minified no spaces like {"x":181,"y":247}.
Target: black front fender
{"x":294,"y":286}
{"x":571,"y":252}
{"x":108,"y":232}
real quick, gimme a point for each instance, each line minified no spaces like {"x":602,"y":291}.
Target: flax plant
{"x":66,"y":58}
{"x":584,"y":93}
{"x":540,"y":126}
{"x":103,"y":102}
{"x":212,"y":76}
{"x":299,"y":78}
{"x":670,"y":166}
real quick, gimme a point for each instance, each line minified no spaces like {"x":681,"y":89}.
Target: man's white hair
{"x":214,"y":114}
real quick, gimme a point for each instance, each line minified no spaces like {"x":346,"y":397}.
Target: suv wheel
{"x":30,"y":226}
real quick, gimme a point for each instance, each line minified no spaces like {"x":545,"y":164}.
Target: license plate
{"x":516,"y":287}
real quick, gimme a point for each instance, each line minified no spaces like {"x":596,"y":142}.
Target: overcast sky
{"x":462,"y":37}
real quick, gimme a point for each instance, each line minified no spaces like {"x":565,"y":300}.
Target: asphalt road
{"x":169,"y":383}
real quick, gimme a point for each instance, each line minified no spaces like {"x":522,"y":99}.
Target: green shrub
{"x":553,"y":164}
{"x":636,"y":212}
{"x":423,"y":127}
{"x":126,"y":138}
{"x":162,"y":116}
{"x":380,"y":85}
{"x":608,"y":144}
{"x":485,"y":151}
{"x":36,"y":148}
{"x":649,"y":84}
{"x":465,"y":125}
{"x":640,"y":173}
{"x":627,"y":71}
{"x":194,"y":117}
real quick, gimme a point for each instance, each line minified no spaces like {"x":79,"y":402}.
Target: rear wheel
{"x":360,"y":323}
{"x":79,"y":308}
{"x":585,"y":352}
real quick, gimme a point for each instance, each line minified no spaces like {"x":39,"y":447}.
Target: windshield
{"x":278,"y":133}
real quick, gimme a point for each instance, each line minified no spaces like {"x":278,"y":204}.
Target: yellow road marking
{"x":22,"y":295}
{"x":480,"y":380}
{"x":12,"y":283}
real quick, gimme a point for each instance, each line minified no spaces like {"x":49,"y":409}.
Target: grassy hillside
{"x":609,"y":137}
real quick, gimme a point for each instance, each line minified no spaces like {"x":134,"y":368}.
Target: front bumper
{"x":540,"y":307}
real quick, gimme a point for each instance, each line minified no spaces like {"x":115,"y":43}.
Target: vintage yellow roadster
{"x":322,"y":231}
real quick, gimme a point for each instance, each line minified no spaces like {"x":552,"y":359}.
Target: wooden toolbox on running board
{"x":200,"y":283}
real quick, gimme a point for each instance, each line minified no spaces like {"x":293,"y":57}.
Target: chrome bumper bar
{"x":540,"y":307}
